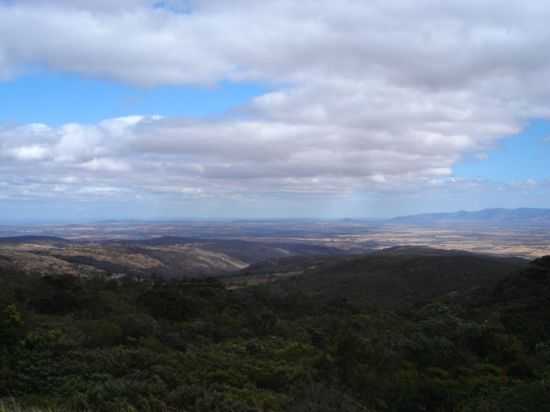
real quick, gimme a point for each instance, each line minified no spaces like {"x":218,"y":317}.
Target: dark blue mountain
{"x":500,"y":217}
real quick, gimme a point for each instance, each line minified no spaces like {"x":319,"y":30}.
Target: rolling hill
{"x":403,"y":329}
{"x":523,"y":301}
{"x":165,"y":257}
{"x":400,"y":277}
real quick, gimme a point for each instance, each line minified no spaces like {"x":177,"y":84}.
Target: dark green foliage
{"x":97,"y":345}
{"x":400,"y":277}
{"x":11,"y":325}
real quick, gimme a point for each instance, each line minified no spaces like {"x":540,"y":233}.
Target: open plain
{"x":199,"y":249}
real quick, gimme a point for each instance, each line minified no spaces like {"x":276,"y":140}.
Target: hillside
{"x":166,"y":257}
{"x":328,"y":341}
{"x":523,"y":301}
{"x":399,"y":277}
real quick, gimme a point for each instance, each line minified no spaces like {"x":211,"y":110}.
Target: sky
{"x":214,"y":109}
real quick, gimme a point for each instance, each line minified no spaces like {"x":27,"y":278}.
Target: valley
{"x":164,"y":257}
{"x":191,"y":249}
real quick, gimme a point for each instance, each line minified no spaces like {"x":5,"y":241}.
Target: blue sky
{"x":58,"y":98}
{"x":521,"y":157}
{"x":299,"y":115}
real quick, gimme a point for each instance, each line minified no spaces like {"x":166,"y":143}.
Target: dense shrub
{"x":77,"y":345}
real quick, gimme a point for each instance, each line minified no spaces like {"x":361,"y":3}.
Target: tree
{"x":11,"y":325}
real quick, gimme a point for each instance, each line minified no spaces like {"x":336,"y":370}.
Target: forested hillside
{"x":73,"y":344}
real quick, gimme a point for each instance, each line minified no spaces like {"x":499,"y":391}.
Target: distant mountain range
{"x":496,"y":217}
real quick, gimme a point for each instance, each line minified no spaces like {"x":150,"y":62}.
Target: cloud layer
{"x":367,"y":96}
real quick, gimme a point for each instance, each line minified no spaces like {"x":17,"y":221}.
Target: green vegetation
{"x":69,"y":344}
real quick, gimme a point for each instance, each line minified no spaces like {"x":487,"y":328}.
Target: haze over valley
{"x":214,"y":249}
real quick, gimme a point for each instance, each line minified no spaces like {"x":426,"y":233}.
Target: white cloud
{"x":367,"y":95}
{"x":105,"y":164}
{"x":33,"y":152}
